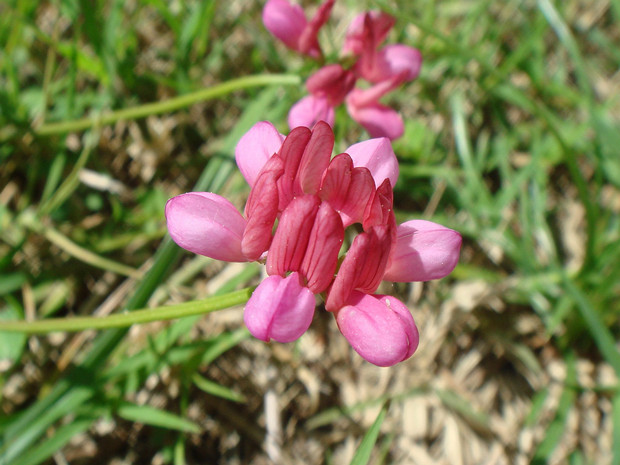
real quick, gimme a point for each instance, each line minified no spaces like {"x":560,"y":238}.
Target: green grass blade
{"x":155,"y":417}
{"x":601,"y":335}
{"x":215,"y":389}
{"x":555,"y":430}
{"x":59,"y":438}
{"x":24,"y":432}
{"x":362,"y":455}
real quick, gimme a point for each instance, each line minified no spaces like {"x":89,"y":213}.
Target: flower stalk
{"x":124,"y":320}
{"x":167,"y":106}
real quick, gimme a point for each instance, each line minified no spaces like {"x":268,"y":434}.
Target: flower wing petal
{"x":376,"y":155}
{"x":424,"y":250}
{"x":206,"y":224}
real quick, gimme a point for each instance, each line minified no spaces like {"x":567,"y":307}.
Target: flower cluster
{"x":385,"y":68}
{"x":301,"y":202}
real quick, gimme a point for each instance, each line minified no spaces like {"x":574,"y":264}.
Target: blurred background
{"x":511,"y":137}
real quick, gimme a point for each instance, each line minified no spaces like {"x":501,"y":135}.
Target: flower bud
{"x":380,"y":328}
{"x":280,"y":309}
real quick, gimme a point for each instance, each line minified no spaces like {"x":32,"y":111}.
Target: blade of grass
{"x":562,"y":31}
{"x":23,"y":433}
{"x":81,"y":253}
{"x":215,"y":389}
{"x":59,"y":438}
{"x":72,"y":181}
{"x":555,"y":430}
{"x":601,"y":335}
{"x":362,"y":455}
{"x":155,"y":417}
{"x":330,"y":415}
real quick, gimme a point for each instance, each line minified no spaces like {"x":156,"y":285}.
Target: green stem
{"x":169,"y":105}
{"x":123,"y":320}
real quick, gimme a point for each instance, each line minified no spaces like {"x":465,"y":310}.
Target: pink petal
{"x":285,"y":21}
{"x":262,"y":209}
{"x":308,"y":42}
{"x":280,"y":309}
{"x":379,"y":328}
{"x":310,"y":110}
{"x":424,"y":250}
{"x":321,"y":256}
{"x":206,"y":224}
{"x":371,"y":27}
{"x":376,"y":155}
{"x":291,"y":153}
{"x":315,"y":158}
{"x":361,"y":191}
{"x":360,"y":98}
{"x":332,"y":82}
{"x":348,"y":190}
{"x":399,"y":60}
{"x":336,"y":181}
{"x":363,"y":266}
{"x":256,"y":147}
{"x":379,"y":120}
{"x":290,"y":241}
{"x":380,"y":209}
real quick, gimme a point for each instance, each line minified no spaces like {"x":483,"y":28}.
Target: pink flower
{"x":387,"y":68}
{"x":312,"y":198}
{"x":288,"y":23}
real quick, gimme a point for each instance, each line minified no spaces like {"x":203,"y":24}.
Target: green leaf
{"x":217,"y":390}
{"x":10,"y":282}
{"x":56,"y":441}
{"x":555,"y":430}
{"x":603,"y":338}
{"x":156,"y":417}
{"x":362,"y":455}
{"x":11,"y":344}
{"x":28,"y":427}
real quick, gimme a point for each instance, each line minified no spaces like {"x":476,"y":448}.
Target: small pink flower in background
{"x":328,"y":88}
{"x":312,"y":197}
{"x":385,"y":68}
{"x":367,"y":30}
{"x":289,"y":24}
